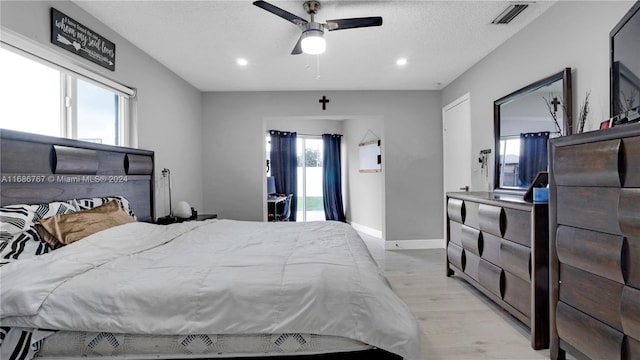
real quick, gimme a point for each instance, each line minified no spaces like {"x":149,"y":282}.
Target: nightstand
{"x":167,"y":220}
{"x":203,"y":217}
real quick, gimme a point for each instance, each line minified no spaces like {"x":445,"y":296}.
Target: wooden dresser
{"x":500,"y":245}
{"x":595,"y":244}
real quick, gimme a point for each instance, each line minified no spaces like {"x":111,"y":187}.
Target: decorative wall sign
{"x":77,"y":38}
{"x":370,"y":157}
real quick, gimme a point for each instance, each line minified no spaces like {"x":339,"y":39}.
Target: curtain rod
{"x":518,"y":135}
{"x":303,"y":134}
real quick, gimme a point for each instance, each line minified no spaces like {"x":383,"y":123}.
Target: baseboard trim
{"x":414,"y":244}
{"x":400,"y":244}
{"x":367,"y":230}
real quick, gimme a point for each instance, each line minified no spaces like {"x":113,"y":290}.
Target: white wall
{"x":169,"y":109}
{"x":365,"y":198}
{"x":234,"y":130}
{"x":570,"y":34}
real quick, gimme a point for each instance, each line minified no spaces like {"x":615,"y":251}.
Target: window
{"x":310,"y":205}
{"x":41,"y":97}
{"x":97,"y":117}
{"x":509,"y":162}
{"x":29,"y":96}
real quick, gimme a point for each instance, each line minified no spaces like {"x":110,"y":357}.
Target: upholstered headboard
{"x":39,"y":169}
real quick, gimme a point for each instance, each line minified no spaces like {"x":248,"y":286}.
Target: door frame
{"x":466,"y":98}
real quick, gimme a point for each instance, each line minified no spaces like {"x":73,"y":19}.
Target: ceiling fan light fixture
{"x":312,"y":39}
{"x":313,"y":42}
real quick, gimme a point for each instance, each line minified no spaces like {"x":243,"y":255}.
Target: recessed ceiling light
{"x":242,"y":62}
{"x":401,"y":62}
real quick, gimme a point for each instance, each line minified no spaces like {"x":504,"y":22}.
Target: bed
{"x":210,"y":289}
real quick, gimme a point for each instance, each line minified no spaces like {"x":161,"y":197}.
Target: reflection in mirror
{"x":523,"y":122}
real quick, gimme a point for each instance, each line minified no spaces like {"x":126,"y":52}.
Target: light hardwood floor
{"x":457,"y":321}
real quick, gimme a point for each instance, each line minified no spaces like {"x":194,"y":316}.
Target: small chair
{"x":286,"y":209}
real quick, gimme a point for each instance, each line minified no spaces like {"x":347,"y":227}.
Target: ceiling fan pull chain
{"x":317,"y":67}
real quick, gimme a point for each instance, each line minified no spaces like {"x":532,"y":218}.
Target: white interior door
{"x":456,"y":139}
{"x":456,"y":125}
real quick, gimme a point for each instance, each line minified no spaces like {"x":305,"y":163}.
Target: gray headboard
{"x":39,"y":169}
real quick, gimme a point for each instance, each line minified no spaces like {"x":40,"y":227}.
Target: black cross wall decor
{"x":555,"y":103}
{"x":324,"y":102}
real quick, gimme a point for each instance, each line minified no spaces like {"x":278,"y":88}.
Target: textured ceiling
{"x":201,"y":41}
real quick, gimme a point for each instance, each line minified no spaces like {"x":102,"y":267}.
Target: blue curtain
{"x":284,"y":165}
{"x":331,"y":178}
{"x":533,"y":156}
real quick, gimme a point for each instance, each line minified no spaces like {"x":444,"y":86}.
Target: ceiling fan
{"x":312,"y":41}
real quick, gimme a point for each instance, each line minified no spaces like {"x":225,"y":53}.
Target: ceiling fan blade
{"x":280,"y":12}
{"x":341,"y":24}
{"x":297,"y":50}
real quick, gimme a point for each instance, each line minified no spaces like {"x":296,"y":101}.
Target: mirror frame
{"x":567,"y":119}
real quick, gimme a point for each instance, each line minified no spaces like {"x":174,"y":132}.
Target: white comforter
{"x":223,"y":276}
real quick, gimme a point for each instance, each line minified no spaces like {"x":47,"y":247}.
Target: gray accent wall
{"x":570,"y":34}
{"x":169,"y":110}
{"x":409,"y":188}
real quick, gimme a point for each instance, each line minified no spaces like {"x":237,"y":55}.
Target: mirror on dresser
{"x":523,"y":123}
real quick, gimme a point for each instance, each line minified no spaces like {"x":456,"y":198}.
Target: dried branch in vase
{"x":584,"y":112}
{"x":630,"y":100}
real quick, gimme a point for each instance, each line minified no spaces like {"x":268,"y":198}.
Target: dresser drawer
{"x":472,"y":263}
{"x":456,"y":256}
{"x":592,"y":164}
{"x":589,"y":208}
{"x":472,"y":240}
{"x":491,"y":219}
{"x":630,"y":311}
{"x":518,"y":226}
{"x":632,"y":246}
{"x":595,"y":339}
{"x":517,"y":293}
{"x":491,"y":248}
{"x":471,"y":214}
{"x":591,"y":294}
{"x":491,"y":277}
{"x":456,"y":210}
{"x":633,"y":348}
{"x":629,"y":212}
{"x":596,"y":252}
{"x":455,"y":233}
{"x":631,"y":157}
{"x":516,"y":259}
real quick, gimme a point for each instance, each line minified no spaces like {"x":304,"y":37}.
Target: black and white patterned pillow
{"x":90,"y":203}
{"x":19,"y":238}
